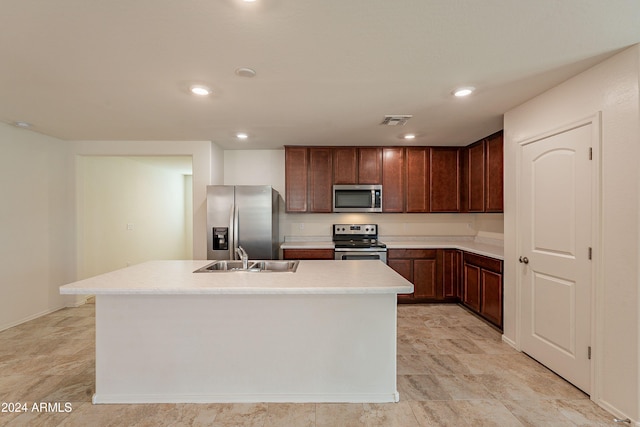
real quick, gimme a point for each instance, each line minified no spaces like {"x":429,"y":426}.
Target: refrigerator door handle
{"x":236,"y":224}
{"x":231,"y":234}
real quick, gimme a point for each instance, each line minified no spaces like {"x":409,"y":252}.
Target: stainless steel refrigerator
{"x":242,"y":215}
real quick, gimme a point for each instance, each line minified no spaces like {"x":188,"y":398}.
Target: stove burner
{"x":356,"y":236}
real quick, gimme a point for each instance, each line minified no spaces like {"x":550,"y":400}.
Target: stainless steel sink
{"x":255,"y":266}
{"x":287,"y":266}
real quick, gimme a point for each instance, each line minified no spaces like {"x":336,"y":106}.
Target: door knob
{"x":524,"y":260}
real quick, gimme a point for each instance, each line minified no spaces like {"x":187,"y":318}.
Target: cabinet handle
{"x":524,"y":260}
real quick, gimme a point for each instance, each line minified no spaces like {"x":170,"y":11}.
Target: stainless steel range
{"x":358,"y":241}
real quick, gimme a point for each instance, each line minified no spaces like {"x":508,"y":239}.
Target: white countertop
{"x":479,"y":248}
{"x":487,"y":247}
{"x":311,"y":277}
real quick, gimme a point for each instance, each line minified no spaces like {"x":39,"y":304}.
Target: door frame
{"x":597,"y":299}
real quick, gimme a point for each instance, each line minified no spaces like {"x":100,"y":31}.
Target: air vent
{"x":395,"y":120}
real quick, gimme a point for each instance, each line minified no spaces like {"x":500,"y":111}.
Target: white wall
{"x":188,"y":214}
{"x":129,"y":211}
{"x":612,"y":88}
{"x":208,"y":168}
{"x":37,"y":213}
{"x":266,"y":167}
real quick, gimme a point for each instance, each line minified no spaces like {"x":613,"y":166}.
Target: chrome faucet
{"x":244,"y":257}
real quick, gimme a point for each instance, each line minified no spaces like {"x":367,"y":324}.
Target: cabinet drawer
{"x":412,"y":253}
{"x":307,"y":253}
{"x":487,"y":263}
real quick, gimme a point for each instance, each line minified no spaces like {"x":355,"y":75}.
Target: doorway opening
{"x":133,"y":209}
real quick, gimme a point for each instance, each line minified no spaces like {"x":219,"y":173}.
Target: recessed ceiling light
{"x":463,"y":91}
{"x":245,"y":72}
{"x":410,"y":136}
{"x":200,"y":90}
{"x":242,"y":135}
{"x":22,"y":124}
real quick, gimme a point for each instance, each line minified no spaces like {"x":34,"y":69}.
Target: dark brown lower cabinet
{"x":433,"y":272}
{"x":491,"y":297}
{"x":482,"y":287}
{"x":307,"y":254}
{"x":451,"y":275}
{"x":471,"y":287}
{"x":419,"y":267}
{"x":451,"y":262}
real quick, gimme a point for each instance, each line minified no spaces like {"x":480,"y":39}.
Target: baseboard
{"x":79,"y":301}
{"x":29,"y":318}
{"x":616,"y":414}
{"x":100,"y":398}
{"x":510,"y":342}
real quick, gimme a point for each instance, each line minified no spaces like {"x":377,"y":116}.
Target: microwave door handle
{"x":373,"y":198}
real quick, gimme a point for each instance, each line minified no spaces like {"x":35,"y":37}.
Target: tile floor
{"x":453,"y":370}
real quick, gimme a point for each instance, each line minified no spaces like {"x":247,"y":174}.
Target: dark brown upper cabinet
{"x":444,"y":179}
{"x":345,"y":165}
{"x":296,"y":161}
{"x":308,"y":179}
{"x":482,"y":175}
{"x":494,"y":173}
{"x":393,"y":178}
{"x":473,"y":177}
{"x":414,"y":179}
{"x":370,"y":165}
{"x":320,"y":179}
{"x":417,"y":174}
{"x":357,"y":165}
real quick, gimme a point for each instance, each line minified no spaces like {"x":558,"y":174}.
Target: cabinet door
{"x":296,"y":175}
{"x":424,"y":278}
{"x":475,"y":177}
{"x":320,"y":180}
{"x":491,"y":299}
{"x":393,"y":179}
{"x":403,"y":267}
{"x":450,"y":275}
{"x":345,"y":165}
{"x":494,"y":173}
{"x":444,"y":179}
{"x":471,"y":287}
{"x":417,"y":171}
{"x":370,"y":165}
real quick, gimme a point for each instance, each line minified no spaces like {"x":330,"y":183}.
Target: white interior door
{"x":555,"y":226}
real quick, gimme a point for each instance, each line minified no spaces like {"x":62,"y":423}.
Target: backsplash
{"x":313,"y":225}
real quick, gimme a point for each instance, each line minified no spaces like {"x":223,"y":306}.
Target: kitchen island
{"x":325,"y":333}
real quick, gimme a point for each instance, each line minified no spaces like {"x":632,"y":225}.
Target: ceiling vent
{"x":395,"y":120}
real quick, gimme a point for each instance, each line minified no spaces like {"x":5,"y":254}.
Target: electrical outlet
{"x":129,"y":227}
{"x":301,"y":225}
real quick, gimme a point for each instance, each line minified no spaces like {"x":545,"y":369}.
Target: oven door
{"x":355,"y":254}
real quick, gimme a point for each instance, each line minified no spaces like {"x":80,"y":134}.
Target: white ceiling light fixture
{"x":21,"y":124}
{"x":463,"y":91}
{"x":245,"y":72}
{"x":409,"y":136}
{"x":200,"y":90}
{"x":242,"y":135}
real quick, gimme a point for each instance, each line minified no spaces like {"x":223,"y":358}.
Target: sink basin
{"x":289,"y":266}
{"x":253,"y":266}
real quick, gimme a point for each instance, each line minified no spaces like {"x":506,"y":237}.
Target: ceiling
{"x":327,"y":71}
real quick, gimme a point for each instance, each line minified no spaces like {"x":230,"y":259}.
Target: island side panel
{"x":245,"y":348}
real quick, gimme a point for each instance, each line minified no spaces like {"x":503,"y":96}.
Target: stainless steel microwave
{"x":357,"y":198}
